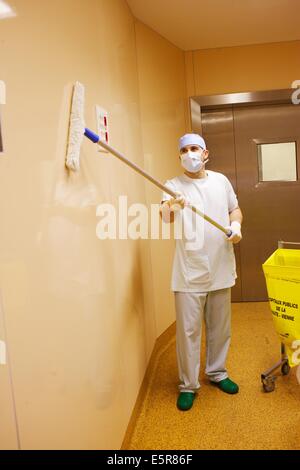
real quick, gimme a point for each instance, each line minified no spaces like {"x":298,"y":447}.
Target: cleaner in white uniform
{"x":203,"y":269}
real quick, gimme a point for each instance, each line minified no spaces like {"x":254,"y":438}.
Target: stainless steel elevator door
{"x":270,"y":208}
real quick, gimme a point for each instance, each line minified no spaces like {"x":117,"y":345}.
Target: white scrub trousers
{"x":215,"y":306}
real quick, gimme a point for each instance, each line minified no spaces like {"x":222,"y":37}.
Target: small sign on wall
{"x":102,"y":125}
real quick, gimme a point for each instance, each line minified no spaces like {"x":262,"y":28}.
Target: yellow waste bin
{"x":282,"y":273}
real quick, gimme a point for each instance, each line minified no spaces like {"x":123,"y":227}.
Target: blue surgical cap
{"x":191,"y":139}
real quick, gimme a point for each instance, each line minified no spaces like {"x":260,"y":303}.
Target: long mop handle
{"x":96,"y":139}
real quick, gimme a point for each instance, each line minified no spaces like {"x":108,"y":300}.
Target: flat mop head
{"x":76,"y":128}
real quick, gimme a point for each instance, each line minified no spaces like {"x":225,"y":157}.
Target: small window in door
{"x":277,"y":162}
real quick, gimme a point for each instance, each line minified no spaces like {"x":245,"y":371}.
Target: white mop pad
{"x":77,"y":128}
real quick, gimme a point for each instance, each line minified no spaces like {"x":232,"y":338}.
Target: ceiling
{"x":205,"y":24}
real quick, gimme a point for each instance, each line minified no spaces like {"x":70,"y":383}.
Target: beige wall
{"x":80,"y":315}
{"x":163,"y":118}
{"x":244,"y":68}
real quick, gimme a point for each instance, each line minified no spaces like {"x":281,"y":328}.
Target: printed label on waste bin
{"x":284,"y":298}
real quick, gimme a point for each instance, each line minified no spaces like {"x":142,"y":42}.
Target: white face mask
{"x":192,"y":161}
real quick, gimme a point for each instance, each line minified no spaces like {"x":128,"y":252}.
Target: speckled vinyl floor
{"x":251,"y":419}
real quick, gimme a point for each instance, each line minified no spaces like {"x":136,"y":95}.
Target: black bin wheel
{"x":268,"y":385}
{"x":285,"y":368}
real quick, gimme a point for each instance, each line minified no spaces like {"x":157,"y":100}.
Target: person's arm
{"x":168,"y":208}
{"x":165,"y":212}
{"x":236,"y":219}
{"x":236,"y":216}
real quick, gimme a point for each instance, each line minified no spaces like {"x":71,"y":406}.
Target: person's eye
{"x":194,"y":149}
{"x":184,"y":151}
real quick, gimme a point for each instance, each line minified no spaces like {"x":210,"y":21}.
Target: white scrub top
{"x":210,"y":264}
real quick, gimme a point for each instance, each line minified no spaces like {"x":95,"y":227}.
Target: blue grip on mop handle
{"x":91,"y":135}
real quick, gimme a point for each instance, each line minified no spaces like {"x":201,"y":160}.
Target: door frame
{"x":251,"y":98}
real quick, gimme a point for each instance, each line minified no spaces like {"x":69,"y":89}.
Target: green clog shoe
{"x":185,"y":400}
{"x":227,"y":386}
